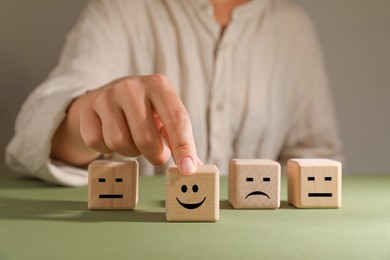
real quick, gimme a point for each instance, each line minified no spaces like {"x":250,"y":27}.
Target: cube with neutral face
{"x":112,"y":185}
{"x":192,"y":197}
{"x":254,"y":183}
{"x":314,"y":183}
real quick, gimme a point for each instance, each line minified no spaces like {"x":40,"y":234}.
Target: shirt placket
{"x":219,"y":92}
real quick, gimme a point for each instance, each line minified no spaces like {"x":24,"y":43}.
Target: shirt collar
{"x":249,"y":9}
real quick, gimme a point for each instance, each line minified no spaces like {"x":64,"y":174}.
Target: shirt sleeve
{"x":312,"y":128}
{"x":94,"y":53}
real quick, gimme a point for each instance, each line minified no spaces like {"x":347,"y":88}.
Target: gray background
{"x":355,"y":35}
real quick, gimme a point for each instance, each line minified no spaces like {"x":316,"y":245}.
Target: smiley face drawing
{"x":254,"y":183}
{"x":195,"y":189}
{"x":192,"y":197}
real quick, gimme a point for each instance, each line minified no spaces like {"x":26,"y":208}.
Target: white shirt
{"x":259,"y":91}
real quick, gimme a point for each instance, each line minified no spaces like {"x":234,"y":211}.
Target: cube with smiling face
{"x":254,"y":183}
{"x":314,"y":183}
{"x":192,"y":197}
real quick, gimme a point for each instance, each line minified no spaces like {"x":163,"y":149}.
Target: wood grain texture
{"x":192,"y":197}
{"x":112,"y":185}
{"x":314,"y":183}
{"x":254,"y":183}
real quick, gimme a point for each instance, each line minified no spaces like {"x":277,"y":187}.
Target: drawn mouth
{"x":257,"y":193}
{"x":191,"y":206}
{"x":111,"y":196}
{"x":320,"y":194}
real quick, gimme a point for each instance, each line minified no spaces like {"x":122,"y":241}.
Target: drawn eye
{"x":184,"y":188}
{"x":328,"y":178}
{"x":118,"y":180}
{"x":249,"y":179}
{"x":266,"y":179}
{"x":195,"y":188}
{"x":311,"y":178}
{"x":102,"y":179}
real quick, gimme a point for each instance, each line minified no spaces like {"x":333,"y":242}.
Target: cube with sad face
{"x":314,"y":183}
{"x":254,"y":183}
{"x":192,"y":197}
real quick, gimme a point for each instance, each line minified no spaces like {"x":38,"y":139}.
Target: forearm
{"x":67,"y":144}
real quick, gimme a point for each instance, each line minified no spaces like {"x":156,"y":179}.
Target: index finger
{"x":176,"y":122}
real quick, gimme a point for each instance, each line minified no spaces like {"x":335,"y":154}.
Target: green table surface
{"x":42,"y":221}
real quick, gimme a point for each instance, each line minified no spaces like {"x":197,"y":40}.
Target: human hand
{"x":133,"y":115}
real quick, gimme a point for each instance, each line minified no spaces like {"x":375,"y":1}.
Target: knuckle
{"x":117,"y":142}
{"x":145,"y":140}
{"x":183,"y":148}
{"x":128,"y":82}
{"x":132,"y":87}
{"x":179,"y":118}
{"x":102,"y":100}
{"x":161,"y":82}
{"x":161,"y":79}
{"x":93,"y":141}
{"x":136,"y":85}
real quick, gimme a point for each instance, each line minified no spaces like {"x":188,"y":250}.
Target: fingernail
{"x":187,"y":165}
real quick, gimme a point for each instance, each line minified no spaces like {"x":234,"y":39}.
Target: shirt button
{"x":205,"y":7}
{"x":223,"y":46}
{"x":220,"y":106}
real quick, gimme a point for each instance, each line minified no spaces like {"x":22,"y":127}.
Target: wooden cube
{"x":314,"y":183}
{"x":112,"y":185}
{"x":254,"y":183}
{"x":192,"y":197}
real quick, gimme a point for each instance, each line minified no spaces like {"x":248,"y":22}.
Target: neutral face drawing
{"x":111,"y":181}
{"x":113,"y":185}
{"x":319,"y":188}
{"x":319,"y":194}
{"x":314,"y":183}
